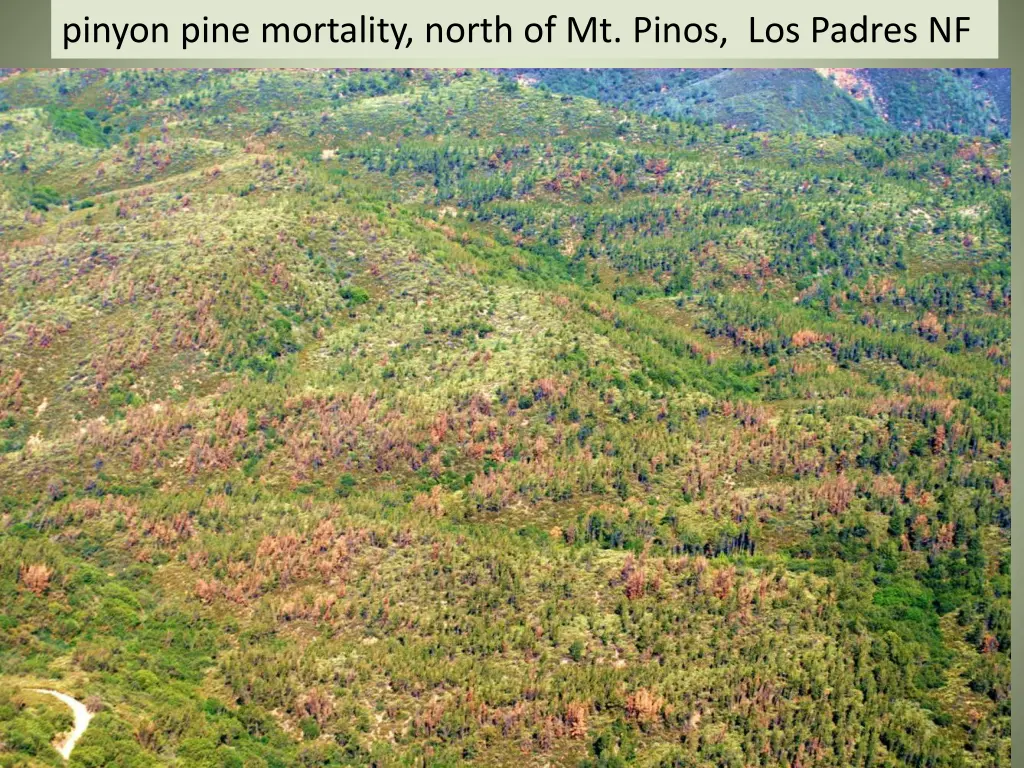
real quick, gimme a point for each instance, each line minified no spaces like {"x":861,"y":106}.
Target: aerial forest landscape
{"x":435,"y":418}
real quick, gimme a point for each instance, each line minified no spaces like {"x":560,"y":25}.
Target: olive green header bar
{"x":461,"y":33}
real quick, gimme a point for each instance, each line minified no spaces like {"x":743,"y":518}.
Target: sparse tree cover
{"x":422,"y":418}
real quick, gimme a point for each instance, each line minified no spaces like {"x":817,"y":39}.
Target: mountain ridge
{"x":969,"y":101}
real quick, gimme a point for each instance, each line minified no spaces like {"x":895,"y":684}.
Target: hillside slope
{"x":419,"y":418}
{"x":962,"y":101}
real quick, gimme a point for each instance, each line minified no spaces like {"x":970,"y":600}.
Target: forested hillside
{"x":863,"y":101}
{"x":422,"y":418}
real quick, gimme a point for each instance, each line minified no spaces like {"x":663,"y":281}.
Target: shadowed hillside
{"x":962,"y":101}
